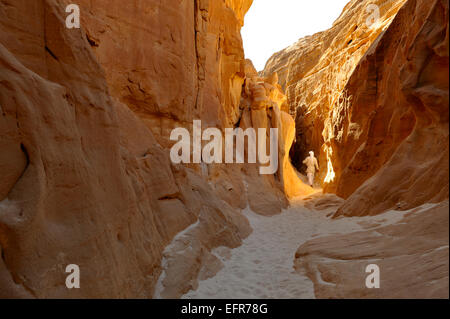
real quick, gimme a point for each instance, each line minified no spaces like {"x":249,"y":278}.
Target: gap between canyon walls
{"x":201,"y":74}
{"x":314,"y":72}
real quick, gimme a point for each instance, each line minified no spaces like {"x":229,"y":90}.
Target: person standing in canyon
{"x":311,"y":164}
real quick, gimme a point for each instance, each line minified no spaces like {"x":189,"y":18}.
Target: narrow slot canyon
{"x":147,"y":149}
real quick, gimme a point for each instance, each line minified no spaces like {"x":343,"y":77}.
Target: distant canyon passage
{"x":86,"y":116}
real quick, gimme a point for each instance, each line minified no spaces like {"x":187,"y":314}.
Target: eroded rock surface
{"x":412,"y":256}
{"x":399,"y":154}
{"x":264,"y":105}
{"x":314,"y":72}
{"x":86,"y":177}
{"x":85,"y":120}
{"x":374,"y":102}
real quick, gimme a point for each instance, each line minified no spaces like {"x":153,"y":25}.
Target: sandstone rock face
{"x":264,"y":104}
{"x":373,"y":100}
{"x":83,"y":178}
{"x":171,"y":61}
{"x":400,"y":148}
{"x":86,"y":116}
{"x":412,"y":256}
{"x":383,"y":136}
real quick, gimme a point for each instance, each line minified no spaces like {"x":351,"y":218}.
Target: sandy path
{"x":263,"y":266}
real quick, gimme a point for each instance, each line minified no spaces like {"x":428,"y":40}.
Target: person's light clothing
{"x":311,"y":179}
{"x":311,"y":164}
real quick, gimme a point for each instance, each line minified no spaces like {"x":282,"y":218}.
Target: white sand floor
{"x":263,"y":266}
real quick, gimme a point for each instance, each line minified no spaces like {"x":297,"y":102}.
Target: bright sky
{"x":272,"y":25}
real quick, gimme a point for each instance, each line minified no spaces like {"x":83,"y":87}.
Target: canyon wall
{"x":264,"y":105}
{"x":411,"y":254}
{"x":372,"y":100}
{"x":375,"y":104}
{"x":85,"y":120}
{"x":315,"y":70}
{"x":86,"y":115}
{"x":400,"y":151}
{"x":174,"y":62}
